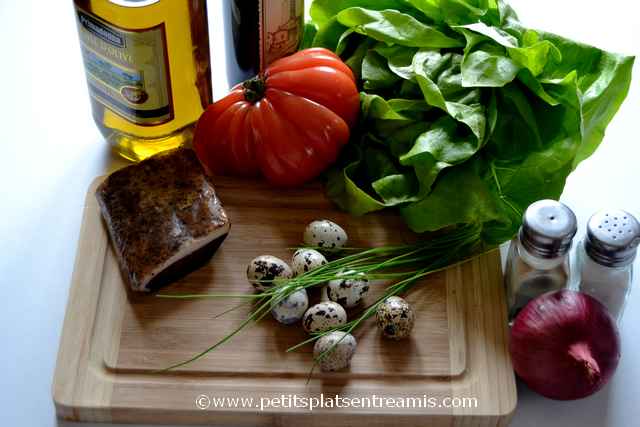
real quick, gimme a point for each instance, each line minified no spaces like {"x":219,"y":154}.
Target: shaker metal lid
{"x":548,"y":227}
{"x":613,"y":236}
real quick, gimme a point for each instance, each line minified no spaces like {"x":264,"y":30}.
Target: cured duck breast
{"x":163,"y":217}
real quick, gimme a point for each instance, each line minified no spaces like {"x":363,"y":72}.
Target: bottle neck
{"x":134,"y":3}
{"x":537,"y":262}
{"x":586,"y":260}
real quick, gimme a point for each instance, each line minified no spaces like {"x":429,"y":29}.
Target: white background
{"x":51,"y":151}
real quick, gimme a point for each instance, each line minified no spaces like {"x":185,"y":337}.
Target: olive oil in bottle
{"x":148,"y":70}
{"x":263,"y":31}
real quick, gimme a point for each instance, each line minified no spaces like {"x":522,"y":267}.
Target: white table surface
{"x":51,"y":151}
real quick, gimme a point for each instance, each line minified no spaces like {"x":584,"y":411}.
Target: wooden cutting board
{"x":114,"y":341}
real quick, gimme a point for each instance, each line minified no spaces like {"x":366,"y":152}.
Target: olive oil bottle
{"x":148,"y":70}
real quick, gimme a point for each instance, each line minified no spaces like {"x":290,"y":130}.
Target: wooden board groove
{"x":113,"y":340}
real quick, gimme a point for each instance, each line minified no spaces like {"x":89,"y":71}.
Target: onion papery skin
{"x":564,"y":345}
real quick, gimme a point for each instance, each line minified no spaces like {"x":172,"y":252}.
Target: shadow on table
{"x":61,"y":423}
{"x":535,"y":410}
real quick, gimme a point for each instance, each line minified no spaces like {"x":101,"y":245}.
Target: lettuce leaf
{"x":467,"y":116}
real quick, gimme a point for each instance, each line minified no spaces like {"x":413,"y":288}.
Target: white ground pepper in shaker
{"x":538,"y":259}
{"x":604,"y":262}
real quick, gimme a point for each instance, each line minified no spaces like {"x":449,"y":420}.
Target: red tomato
{"x":288,"y":124}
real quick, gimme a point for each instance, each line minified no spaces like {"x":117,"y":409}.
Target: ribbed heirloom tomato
{"x":288,"y":124}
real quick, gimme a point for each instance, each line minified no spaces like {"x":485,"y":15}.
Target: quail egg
{"x":291,"y":308}
{"x":323,"y":316}
{"x":305,"y":260}
{"x":395,"y":318}
{"x":348,"y":292}
{"x":263,"y":270}
{"x":344,"y":346}
{"x":325,"y":234}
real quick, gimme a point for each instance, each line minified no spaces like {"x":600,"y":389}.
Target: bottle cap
{"x":612,"y":238}
{"x":548,"y":228}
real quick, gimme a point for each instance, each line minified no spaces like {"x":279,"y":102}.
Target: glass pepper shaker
{"x":604,"y":262}
{"x":538,"y":258}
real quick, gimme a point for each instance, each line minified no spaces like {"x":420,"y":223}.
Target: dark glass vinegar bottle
{"x":259,"y":32}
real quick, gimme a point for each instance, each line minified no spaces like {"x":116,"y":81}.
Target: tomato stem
{"x":254,"y":89}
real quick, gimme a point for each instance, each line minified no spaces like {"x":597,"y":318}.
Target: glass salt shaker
{"x":538,"y":258}
{"x":604,"y":262}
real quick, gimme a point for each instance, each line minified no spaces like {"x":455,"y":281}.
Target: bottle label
{"x":281,"y":25}
{"x":127,"y":70}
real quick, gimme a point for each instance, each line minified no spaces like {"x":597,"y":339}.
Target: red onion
{"x":564,"y":345}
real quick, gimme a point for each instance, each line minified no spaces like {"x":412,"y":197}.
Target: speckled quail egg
{"x":291,"y":308}
{"x":323,"y":316}
{"x":395,"y":318}
{"x":344,"y":346}
{"x":325,"y":234}
{"x":305,"y":260}
{"x":263,"y":270}
{"x":348,"y":292}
